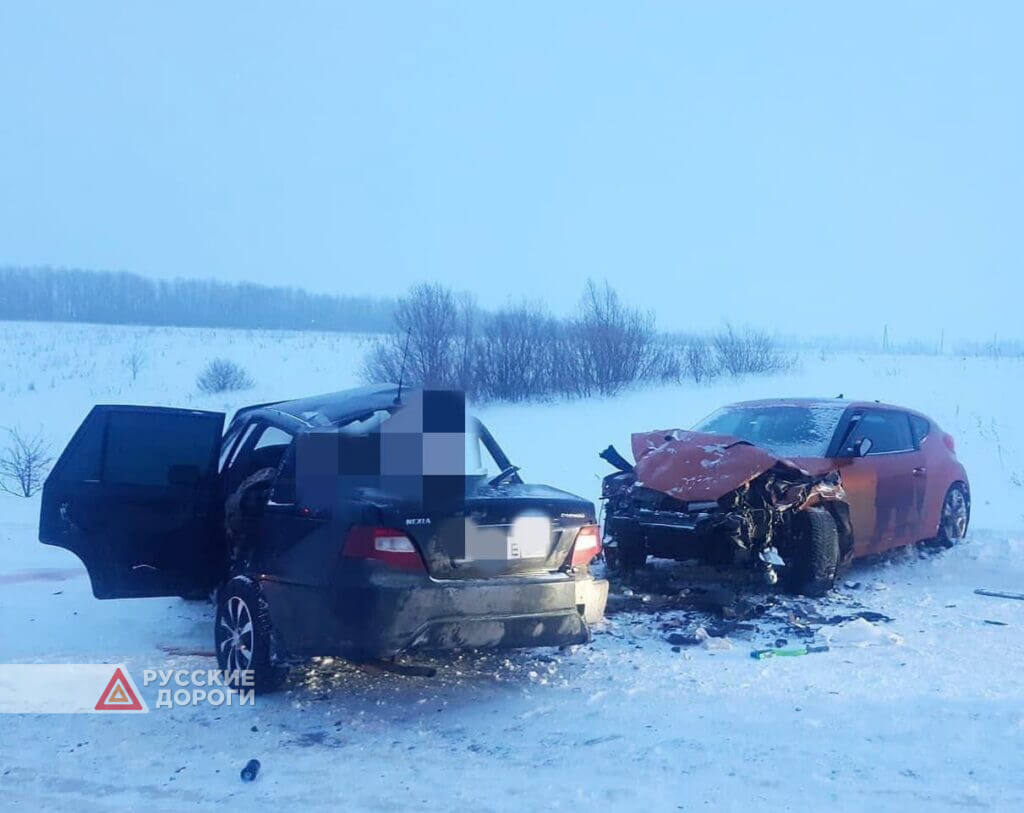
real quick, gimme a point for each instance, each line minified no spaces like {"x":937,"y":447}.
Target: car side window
{"x":920,"y":427}
{"x":228,"y":443}
{"x":888,"y":431}
{"x":84,"y":461}
{"x":135,"y":454}
{"x":268,"y":450}
{"x":238,"y":446}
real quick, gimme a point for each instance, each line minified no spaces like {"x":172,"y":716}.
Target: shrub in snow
{"x":750,"y":351}
{"x":23,"y":464}
{"x":221,"y":375}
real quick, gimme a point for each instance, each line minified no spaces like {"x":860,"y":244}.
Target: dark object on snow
{"x":407,"y":669}
{"x":252,"y":767}
{"x":867,"y":615}
{"x":786,"y":488}
{"x":762,"y":654}
{"x":999,"y":594}
{"x":996,"y":623}
{"x":323,"y":530}
{"x":682,"y":639}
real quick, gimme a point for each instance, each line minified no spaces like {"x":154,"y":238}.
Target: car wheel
{"x":812,"y":553}
{"x":956,"y":514}
{"x":242,"y":636}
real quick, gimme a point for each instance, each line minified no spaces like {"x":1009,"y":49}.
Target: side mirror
{"x":183,"y":475}
{"x":862,"y":447}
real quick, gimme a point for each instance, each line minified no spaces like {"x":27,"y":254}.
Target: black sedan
{"x":363,"y":524}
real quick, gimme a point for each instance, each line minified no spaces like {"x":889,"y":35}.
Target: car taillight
{"x":950,"y":444}
{"x":586,"y":546}
{"x":386,"y":545}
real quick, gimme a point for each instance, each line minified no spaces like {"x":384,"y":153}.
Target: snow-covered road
{"x":936,"y":719}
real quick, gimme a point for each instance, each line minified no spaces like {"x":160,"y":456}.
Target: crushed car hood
{"x":694,"y":466}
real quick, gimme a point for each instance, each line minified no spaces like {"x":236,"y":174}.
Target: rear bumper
{"x":376,"y":612}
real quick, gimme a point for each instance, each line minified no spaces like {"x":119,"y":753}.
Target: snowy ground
{"x":924,"y":711}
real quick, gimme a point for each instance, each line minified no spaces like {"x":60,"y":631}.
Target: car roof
{"x":332,"y":407}
{"x":822,"y":402}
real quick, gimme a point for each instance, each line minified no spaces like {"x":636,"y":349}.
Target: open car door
{"x":135,"y":496}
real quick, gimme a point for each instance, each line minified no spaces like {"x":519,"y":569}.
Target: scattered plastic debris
{"x":981,"y":591}
{"x":711,"y":642}
{"x":859,"y":632}
{"x":762,"y":654}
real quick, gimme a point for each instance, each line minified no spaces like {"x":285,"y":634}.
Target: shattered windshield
{"x":784,"y":430}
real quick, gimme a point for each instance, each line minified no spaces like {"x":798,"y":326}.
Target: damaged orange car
{"x":793,"y":488}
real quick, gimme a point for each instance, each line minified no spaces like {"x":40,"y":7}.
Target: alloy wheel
{"x":954,"y":515}
{"x":237,"y":637}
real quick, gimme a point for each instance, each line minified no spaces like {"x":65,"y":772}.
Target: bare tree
{"x":222,"y":375}
{"x":698,"y":361}
{"x":135,"y":360}
{"x":615,"y":343}
{"x":24,"y":464}
{"x":514,"y":355}
{"x":749,"y":351}
{"x":431,"y":343}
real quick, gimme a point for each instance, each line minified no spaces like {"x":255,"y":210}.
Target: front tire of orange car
{"x":811,"y":553}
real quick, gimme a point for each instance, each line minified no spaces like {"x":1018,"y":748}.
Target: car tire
{"x":954,"y":516}
{"x":813,"y":553}
{"x":243,"y":636}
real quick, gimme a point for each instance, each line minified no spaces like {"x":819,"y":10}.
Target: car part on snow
{"x":724,"y":501}
{"x":762,"y":654}
{"x":999,"y":594}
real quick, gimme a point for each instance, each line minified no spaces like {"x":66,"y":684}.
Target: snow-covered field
{"x":925,"y":711}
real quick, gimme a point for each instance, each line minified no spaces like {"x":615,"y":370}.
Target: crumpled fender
{"x":694,"y":466}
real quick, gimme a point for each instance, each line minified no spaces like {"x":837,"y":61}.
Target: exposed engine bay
{"x":715,"y":499}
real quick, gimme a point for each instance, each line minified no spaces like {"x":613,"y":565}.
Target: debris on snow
{"x":860,"y":633}
{"x":981,"y":591}
{"x":252,"y":767}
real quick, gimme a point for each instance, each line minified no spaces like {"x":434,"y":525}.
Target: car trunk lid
{"x":503,"y":530}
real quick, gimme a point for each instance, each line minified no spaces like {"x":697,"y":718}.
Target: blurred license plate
{"x":529,"y":538}
{"x":526,"y":538}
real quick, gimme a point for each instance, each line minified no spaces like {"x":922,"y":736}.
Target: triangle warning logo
{"x":119,"y":695}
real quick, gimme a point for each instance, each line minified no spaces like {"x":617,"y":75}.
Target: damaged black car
{"x":363,"y":523}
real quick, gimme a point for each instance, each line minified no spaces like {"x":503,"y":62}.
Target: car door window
{"x":84,"y":460}
{"x":137,"y":455}
{"x":228,"y":443}
{"x":240,"y":445}
{"x":888,"y":431}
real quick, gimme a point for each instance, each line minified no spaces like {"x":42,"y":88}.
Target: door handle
{"x":919,"y":471}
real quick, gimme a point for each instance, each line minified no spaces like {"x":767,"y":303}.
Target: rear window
{"x":784,"y":430}
{"x":920,"y":427}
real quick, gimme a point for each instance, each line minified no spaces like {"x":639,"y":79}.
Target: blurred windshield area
{"x":785,"y":430}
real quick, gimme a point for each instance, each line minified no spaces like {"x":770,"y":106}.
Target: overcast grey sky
{"x":802,"y":166}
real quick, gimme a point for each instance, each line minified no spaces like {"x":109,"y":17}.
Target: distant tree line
{"x":522,"y":353}
{"x":114,"y":297}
